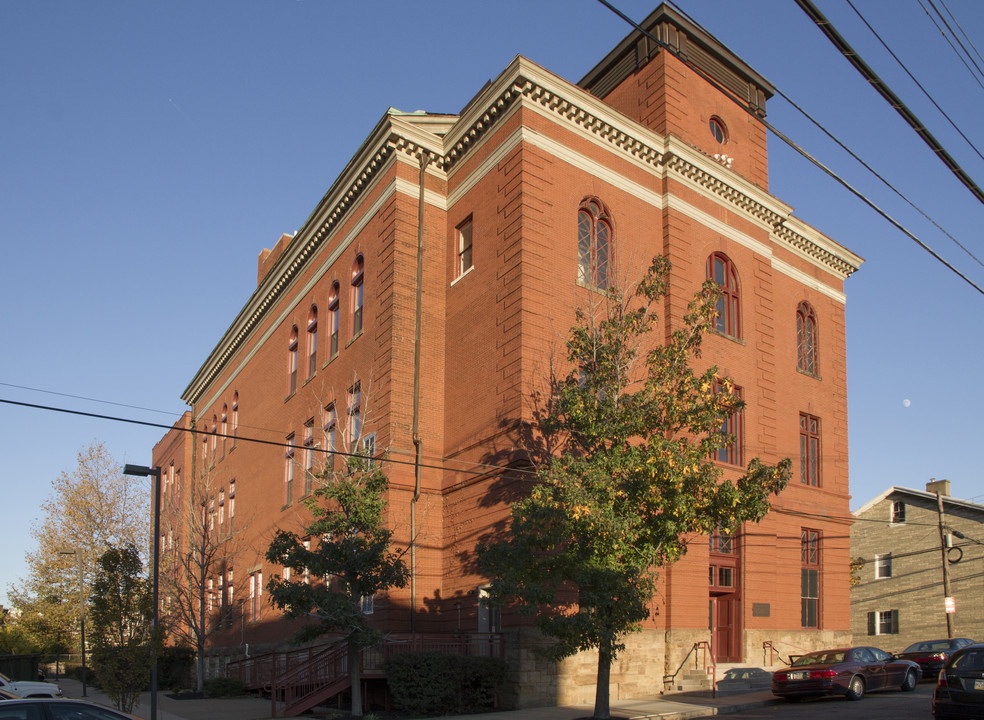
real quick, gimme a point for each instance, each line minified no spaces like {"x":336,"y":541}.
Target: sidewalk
{"x":669,"y":707}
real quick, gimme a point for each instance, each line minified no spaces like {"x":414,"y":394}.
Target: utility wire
{"x":967,"y":37}
{"x":879,"y":85}
{"x":837,"y":178}
{"x":955,"y":37}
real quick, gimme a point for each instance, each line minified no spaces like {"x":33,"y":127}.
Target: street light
{"x":155,"y":473}
{"x":78,"y":557}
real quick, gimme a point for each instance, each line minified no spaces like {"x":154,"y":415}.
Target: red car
{"x":850,"y":672}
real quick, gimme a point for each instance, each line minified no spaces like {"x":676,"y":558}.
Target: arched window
{"x":235,"y":417}
{"x":358,"y":294}
{"x":594,"y":243}
{"x":292,"y":361}
{"x":721,"y":270}
{"x":806,"y":339}
{"x":225,"y":427}
{"x":333,"y":320}
{"x":312,"y":341}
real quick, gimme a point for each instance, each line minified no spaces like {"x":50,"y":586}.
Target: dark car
{"x":959,"y":690}
{"x":850,"y":672}
{"x":43,"y":708}
{"x":931,"y":655}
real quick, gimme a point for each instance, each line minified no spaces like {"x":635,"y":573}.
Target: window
{"x":333,"y":320}
{"x":358,"y":294}
{"x":235,"y":417}
{"x":810,"y":578}
{"x":210,"y":593}
{"x":255,"y":595}
{"x":289,"y":470}
{"x":292,"y":362}
{"x":594,"y":242}
{"x":230,"y":594}
{"x":215,"y":438}
{"x":308,"y":456}
{"x":883,"y":566}
{"x":204,"y":450}
{"x":809,"y":450}
{"x":721,"y":577}
{"x":369,"y":446}
{"x":225,"y":427}
{"x":885,"y":622}
{"x":718,"y":130}
{"x":312,"y":341}
{"x":898,"y":512}
{"x":232,"y":504}
{"x":331,"y":424}
{"x":722,"y":271}
{"x":355,"y":414}
{"x":806,"y":339}
{"x":731,"y":427}
{"x":367,"y":604}
{"x":221,"y":513}
{"x":722,"y":542}
{"x":464,"y":246}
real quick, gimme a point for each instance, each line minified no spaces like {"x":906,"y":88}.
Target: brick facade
{"x":516,"y":164}
{"x":899,"y":599}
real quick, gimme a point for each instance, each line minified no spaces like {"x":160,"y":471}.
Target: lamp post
{"x":78,"y":556}
{"x":155,"y":473}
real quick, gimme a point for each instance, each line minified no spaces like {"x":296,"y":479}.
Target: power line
{"x":955,"y":37}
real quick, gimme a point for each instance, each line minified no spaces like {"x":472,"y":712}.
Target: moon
{"x":907,"y":402}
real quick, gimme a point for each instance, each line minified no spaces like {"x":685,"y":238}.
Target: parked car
{"x":931,"y":655}
{"x":850,"y":672}
{"x":29,"y":688}
{"x":959,"y":690}
{"x":58,"y":709}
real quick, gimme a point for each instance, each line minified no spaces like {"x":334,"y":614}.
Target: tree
{"x":201,"y":552}
{"x":634,"y":478}
{"x":122,"y":632}
{"x":89,"y":510}
{"x":352,"y":558}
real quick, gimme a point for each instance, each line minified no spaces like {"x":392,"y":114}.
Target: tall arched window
{"x":594,"y":243}
{"x":333,"y":320}
{"x":721,"y":270}
{"x":806,"y":339}
{"x":358,"y":294}
{"x":292,"y":361}
{"x":312,"y":341}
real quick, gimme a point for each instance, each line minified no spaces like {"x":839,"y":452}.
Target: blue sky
{"x":149,"y":151}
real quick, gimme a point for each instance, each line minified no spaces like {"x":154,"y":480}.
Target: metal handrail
{"x":770,"y":647}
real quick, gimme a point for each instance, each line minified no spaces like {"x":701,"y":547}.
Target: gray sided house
{"x":898,"y":593}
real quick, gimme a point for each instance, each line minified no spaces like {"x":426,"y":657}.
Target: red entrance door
{"x":725,"y":635}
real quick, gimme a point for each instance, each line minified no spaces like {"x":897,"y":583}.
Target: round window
{"x":718,"y":130}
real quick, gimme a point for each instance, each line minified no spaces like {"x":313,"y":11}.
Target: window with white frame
{"x":465,"y":247}
{"x":255,"y":595}
{"x":289,"y":470}
{"x":355,"y":414}
{"x":883,"y":622}
{"x":331,"y":428}
{"x":883,"y":566}
{"x":898,"y":512}
{"x":308,"y":456}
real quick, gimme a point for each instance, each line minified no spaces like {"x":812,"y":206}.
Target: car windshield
{"x":824,"y":657}
{"x":973,"y":660}
{"x":932,"y":646}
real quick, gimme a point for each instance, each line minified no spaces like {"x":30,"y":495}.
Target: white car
{"x":29,"y":688}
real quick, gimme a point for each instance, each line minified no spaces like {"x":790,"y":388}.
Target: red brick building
{"x":536,"y":194}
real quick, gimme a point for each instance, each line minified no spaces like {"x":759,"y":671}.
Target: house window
{"x":308,"y":456}
{"x":721,"y":577}
{"x":232,"y":504}
{"x":312,"y":341}
{"x":235,"y":417}
{"x":358,"y":294}
{"x":355,"y":414}
{"x":210,"y":593}
{"x":806,"y":339}
{"x":885,"y":622}
{"x":898,"y":512}
{"x":292,"y":362}
{"x":255,"y":595}
{"x":367,"y":604}
{"x":221,"y":513}
{"x":594,"y":243}
{"x":225,"y":427}
{"x":465,"y":246}
{"x":215,"y":438}
{"x":722,"y":542}
{"x":369,"y":446}
{"x":289,"y":470}
{"x":333,"y":320}
{"x":722,"y":271}
{"x":718,"y":130}
{"x":331,"y":427}
{"x":883,"y":566}
{"x":810,"y":578}
{"x":731,"y":428}
{"x":230,"y":595}
{"x":809,"y":450}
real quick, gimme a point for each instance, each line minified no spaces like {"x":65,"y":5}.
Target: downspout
{"x":417,"y":444}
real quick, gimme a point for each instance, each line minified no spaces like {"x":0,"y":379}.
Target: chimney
{"x":938,"y":486}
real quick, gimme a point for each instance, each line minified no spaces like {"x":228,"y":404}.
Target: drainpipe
{"x":417,"y":444}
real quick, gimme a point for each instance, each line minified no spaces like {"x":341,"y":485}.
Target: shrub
{"x":224,"y":687}
{"x":174,"y":667}
{"x":430,"y":683}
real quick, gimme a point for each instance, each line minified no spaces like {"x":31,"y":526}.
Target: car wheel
{"x":910,"y":681}
{"x":855,"y":691}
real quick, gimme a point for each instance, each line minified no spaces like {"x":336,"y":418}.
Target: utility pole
{"x":946,"y":565}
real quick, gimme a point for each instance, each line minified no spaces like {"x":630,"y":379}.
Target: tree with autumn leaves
{"x":638,"y":427}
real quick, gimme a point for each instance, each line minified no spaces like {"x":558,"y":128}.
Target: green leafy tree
{"x":122,"y":634}
{"x":352,"y":556}
{"x":634,"y":479}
